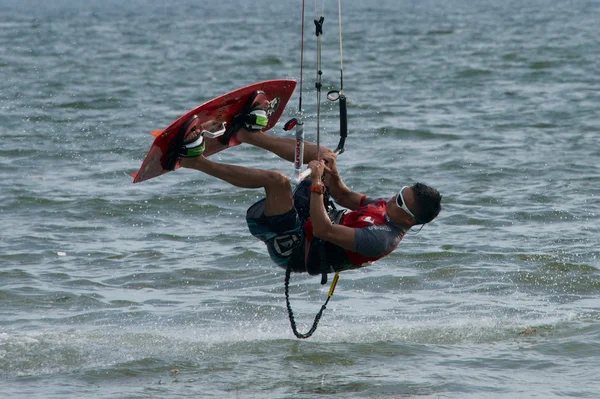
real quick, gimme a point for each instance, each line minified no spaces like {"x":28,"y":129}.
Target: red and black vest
{"x":337,"y":258}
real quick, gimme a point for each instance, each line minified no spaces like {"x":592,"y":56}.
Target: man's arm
{"x":322,"y":227}
{"x":338,"y":190}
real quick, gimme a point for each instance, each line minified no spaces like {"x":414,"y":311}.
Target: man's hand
{"x":317,"y":168}
{"x":330,"y":159}
{"x":336,"y":187}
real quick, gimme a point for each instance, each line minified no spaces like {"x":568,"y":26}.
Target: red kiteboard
{"x":214,"y":117}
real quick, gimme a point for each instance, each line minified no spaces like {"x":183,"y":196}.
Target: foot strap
{"x":192,"y":149}
{"x":252,"y":117}
{"x":256,"y":119}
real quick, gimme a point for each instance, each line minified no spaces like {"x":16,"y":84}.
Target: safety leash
{"x":310,"y":332}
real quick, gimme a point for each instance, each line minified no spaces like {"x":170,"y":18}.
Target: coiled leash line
{"x":333,"y":95}
{"x":310,"y":332}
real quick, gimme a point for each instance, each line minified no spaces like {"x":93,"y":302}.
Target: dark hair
{"x":428,"y":201}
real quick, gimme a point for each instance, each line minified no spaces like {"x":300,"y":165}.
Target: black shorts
{"x":283,"y":234}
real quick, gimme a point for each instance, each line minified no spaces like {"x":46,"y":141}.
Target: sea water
{"x":157,"y":290}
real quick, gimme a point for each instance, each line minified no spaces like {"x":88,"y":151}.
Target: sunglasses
{"x":402,"y":205}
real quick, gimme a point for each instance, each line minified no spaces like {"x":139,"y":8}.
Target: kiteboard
{"x":214,"y":118}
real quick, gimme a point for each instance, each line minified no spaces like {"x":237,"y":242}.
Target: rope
{"x":301,"y":62}
{"x":341,"y":52}
{"x":318,"y":84}
{"x":299,"y":147}
{"x":310,"y":332}
{"x":341,"y":96}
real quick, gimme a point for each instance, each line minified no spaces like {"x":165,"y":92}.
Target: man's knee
{"x":278,"y":180}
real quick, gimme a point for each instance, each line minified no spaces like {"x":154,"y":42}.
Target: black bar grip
{"x":343,"y":117}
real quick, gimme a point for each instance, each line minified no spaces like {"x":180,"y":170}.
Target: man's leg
{"x":284,"y":148}
{"x":277,"y":186}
